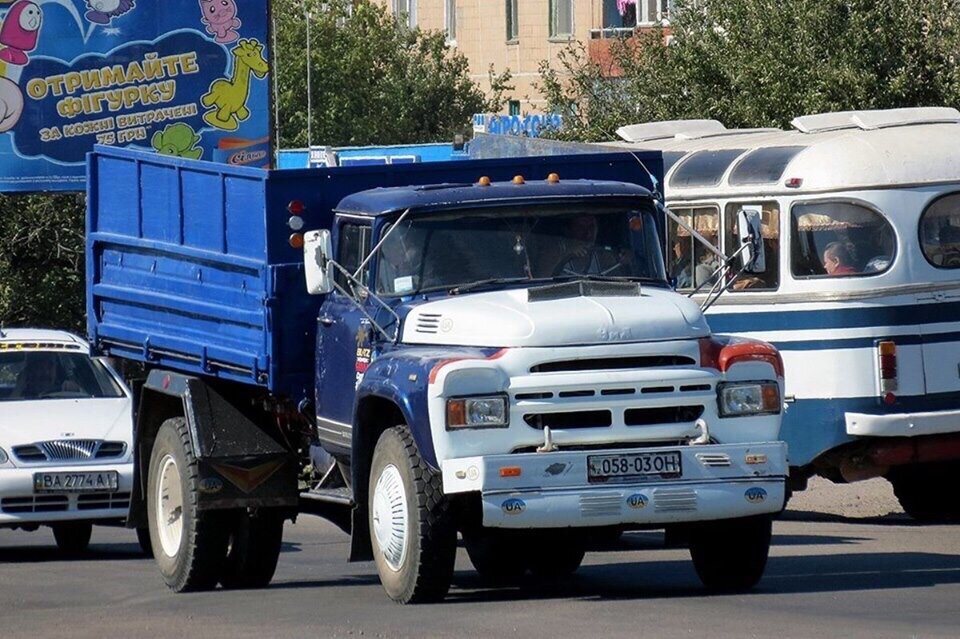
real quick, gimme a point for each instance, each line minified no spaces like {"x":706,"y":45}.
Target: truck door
{"x":343,"y":348}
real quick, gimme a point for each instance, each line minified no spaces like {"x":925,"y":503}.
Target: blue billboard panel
{"x":180,"y":77}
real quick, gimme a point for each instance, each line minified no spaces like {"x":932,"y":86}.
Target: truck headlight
{"x":477,"y":412}
{"x":750,"y":398}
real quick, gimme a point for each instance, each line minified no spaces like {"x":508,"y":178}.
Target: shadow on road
{"x":97,"y":552}
{"x":673,"y":579}
{"x":892,"y":519}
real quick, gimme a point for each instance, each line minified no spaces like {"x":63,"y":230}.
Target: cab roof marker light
{"x":484,"y":181}
{"x":553,"y":178}
{"x":518,"y":179}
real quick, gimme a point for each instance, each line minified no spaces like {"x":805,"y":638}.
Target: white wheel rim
{"x":169,"y":509}
{"x":390,"y":520}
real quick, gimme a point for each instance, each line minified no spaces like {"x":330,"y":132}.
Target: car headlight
{"x":750,"y":398}
{"x":3,"y":457}
{"x":477,"y":412}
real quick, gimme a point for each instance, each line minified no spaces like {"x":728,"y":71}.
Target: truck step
{"x":337,"y":496}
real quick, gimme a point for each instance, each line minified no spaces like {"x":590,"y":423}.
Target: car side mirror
{"x":752,"y":254}
{"x":317,"y":262}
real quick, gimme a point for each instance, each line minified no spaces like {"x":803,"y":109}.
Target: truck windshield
{"x":470,"y":247}
{"x":32,"y":375}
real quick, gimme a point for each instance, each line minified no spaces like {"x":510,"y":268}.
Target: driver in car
{"x":41,"y":375}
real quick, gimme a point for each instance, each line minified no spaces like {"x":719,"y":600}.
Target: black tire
{"x":730,"y":555}
{"x":197,"y":562}
{"x":920,"y":489}
{"x":73,"y":537}
{"x":496,"y":555}
{"x":143,"y":538}
{"x":424,"y":568}
{"x":253,"y":550}
{"x":556,"y":555}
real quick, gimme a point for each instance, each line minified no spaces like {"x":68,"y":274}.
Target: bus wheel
{"x":920,"y":489}
{"x":414,"y":540}
{"x":189,"y":546}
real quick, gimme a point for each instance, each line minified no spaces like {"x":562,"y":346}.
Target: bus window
{"x":940,"y":232}
{"x":769,"y":280}
{"x":690,"y":263}
{"x":840,"y":239}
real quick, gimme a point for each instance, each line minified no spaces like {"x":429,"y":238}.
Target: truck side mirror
{"x":317,"y":264}
{"x":749,"y":224}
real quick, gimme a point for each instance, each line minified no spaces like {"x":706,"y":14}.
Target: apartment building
{"x":519,"y":34}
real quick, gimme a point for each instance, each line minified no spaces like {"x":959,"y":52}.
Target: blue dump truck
{"x":489,"y":349}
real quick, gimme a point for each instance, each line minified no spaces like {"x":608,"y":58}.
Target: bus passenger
{"x":838,"y":259}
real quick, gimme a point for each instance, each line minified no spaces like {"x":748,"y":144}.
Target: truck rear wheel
{"x":920,"y":489}
{"x":413,"y":538}
{"x":731,"y":555}
{"x":73,"y":537}
{"x":253,"y":549}
{"x":189,"y":546}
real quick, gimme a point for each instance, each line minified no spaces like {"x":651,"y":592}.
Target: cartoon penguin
{"x":19,"y":32}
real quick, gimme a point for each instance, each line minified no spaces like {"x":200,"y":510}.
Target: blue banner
{"x":181,"y":77}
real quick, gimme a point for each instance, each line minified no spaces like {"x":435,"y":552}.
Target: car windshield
{"x":476,"y":247}
{"x":32,"y":375}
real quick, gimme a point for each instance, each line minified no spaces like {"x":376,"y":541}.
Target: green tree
{"x":373,"y":79}
{"x":42,"y":261}
{"x":751,"y":63}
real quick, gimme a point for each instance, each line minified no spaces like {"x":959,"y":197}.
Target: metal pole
{"x":309,"y":88}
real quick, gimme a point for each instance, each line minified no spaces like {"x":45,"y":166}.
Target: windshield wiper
{"x":491,"y":281}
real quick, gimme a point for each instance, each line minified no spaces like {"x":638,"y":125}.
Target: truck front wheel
{"x":731,"y":555}
{"x":414,"y":540}
{"x":189,"y":546}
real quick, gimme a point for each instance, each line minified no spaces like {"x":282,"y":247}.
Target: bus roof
{"x":824,"y":152}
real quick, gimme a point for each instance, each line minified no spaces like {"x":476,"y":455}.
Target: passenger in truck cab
{"x":398,"y":266}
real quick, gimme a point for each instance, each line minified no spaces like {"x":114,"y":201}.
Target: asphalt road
{"x":828,"y":577}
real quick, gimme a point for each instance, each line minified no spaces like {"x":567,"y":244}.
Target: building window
{"x":627,"y":14}
{"x":513,"y":29}
{"x":561,"y":18}
{"x":514,"y":106}
{"x":450,"y":20}
{"x":406,"y":12}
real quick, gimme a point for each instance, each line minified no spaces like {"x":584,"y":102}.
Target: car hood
{"x":521,"y":317}
{"x":26,"y":422}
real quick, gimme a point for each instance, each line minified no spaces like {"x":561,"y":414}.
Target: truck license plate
{"x":624,"y":467}
{"x":105,"y":481}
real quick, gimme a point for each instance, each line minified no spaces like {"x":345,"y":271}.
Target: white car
{"x":66,"y":431}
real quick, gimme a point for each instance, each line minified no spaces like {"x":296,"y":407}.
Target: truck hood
{"x":521,"y":317}
{"x":27,"y":422}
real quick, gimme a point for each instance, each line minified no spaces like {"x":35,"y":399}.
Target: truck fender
{"x":381,"y":403}
{"x":241,"y":464}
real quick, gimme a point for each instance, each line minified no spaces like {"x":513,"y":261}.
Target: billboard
{"x":180,"y":77}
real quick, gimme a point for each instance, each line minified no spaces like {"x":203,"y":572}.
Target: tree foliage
{"x":374,"y":80}
{"x":42,"y":261}
{"x":751,"y":63}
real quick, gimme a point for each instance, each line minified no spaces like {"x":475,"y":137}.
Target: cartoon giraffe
{"x":227,"y":99}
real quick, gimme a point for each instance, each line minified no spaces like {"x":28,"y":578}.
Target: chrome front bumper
{"x":551,"y":490}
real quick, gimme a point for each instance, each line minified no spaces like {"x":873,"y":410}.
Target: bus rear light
{"x":887,"y":365}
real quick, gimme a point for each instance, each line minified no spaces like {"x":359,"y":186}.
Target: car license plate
{"x":632,"y":466}
{"x":104,"y":481}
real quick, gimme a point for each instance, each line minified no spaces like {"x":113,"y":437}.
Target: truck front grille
{"x":612,"y":363}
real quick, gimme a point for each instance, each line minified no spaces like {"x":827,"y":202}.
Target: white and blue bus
{"x":860,"y":289}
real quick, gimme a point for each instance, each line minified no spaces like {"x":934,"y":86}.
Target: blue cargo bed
{"x":189,"y":265}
